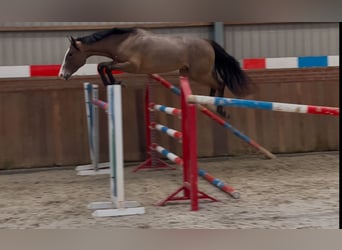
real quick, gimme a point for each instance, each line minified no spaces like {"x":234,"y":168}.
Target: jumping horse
{"x":135,"y":50}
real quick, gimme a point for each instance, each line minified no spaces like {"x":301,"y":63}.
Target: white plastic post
{"x":118,"y":206}
{"x":92,"y":111}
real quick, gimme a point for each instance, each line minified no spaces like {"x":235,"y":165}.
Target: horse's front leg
{"x":106,"y":68}
{"x":127,"y":66}
{"x":100,"y":69}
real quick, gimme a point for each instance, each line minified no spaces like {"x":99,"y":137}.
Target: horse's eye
{"x":70,"y":54}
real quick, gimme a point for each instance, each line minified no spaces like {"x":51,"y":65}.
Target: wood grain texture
{"x":43,"y":121}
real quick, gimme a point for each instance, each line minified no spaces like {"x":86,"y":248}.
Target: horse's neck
{"x":106,"y":47}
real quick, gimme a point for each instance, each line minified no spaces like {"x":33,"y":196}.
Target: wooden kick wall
{"x":43,"y":122}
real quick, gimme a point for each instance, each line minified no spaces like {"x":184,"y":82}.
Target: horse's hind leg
{"x":219,"y":109}
{"x":220,"y":93}
{"x":206,"y":78}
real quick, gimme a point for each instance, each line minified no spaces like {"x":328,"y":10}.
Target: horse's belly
{"x":149,"y":68}
{"x":160,"y":59}
{"x":162,"y":63}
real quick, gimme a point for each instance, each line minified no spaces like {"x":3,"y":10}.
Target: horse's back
{"x":163,"y":53}
{"x":160,"y":43}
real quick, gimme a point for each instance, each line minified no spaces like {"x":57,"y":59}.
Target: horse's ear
{"x":73,"y":42}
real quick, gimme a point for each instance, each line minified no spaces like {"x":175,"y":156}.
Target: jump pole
{"x":189,"y":189}
{"x":272,"y":106}
{"x":189,"y":122}
{"x":92,"y":111}
{"x":118,"y":206}
{"x":178,"y":113}
{"x":218,"y":119}
{"x":152,"y":162}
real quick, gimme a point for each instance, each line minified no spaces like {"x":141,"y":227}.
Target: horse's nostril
{"x":64,"y":76}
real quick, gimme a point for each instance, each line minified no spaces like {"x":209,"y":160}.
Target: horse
{"x":139,"y":51}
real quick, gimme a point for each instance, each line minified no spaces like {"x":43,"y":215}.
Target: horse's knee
{"x":184,"y":71}
{"x":100,"y":68}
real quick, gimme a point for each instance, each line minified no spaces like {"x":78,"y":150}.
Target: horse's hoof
{"x":114,"y":83}
{"x":105,"y":83}
{"x":223,"y":114}
{"x":226,"y":116}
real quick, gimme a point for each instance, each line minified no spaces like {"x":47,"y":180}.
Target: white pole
{"x":88,"y":96}
{"x":92,"y":111}
{"x":95,"y":110}
{"x":117,"y":206}
{"x":118,"y":142}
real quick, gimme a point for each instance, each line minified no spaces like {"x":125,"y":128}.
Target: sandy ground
{"x":293,"y":191}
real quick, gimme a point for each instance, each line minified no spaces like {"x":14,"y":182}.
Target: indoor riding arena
{"x":144,"y":152}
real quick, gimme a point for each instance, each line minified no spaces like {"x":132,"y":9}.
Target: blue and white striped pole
{"x":274,"y":106}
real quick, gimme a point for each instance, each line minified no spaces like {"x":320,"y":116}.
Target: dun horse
{"x":139,"y":51}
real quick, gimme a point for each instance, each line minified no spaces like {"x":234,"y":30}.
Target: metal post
{"x":88,"y":96}
{"x":219,"y":33}
{"x":95,"y":134}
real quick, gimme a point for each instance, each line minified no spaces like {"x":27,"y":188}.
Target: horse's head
{"x":74,"y":59}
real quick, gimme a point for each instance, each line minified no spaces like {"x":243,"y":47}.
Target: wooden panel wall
{"x":43,"y":123}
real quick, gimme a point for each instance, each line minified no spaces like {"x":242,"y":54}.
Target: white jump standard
{"x":92,"y":109}
{"x":118,"y":206}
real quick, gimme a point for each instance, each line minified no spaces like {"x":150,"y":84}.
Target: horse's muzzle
{"x":64,"y":76}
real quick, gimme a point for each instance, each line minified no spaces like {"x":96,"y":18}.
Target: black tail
{"x":229,"y":70}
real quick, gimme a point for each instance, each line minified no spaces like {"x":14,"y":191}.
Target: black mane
{"x":105,"y":33}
